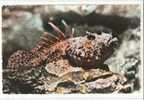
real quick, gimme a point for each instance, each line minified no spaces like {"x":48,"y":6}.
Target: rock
{"x":92,"y":81}
{"x":60,"y":67}
{"x":82,"y":81}
{"x":121,"y":10}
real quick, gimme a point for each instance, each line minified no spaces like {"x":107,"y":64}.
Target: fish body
{"x":89,"y":50}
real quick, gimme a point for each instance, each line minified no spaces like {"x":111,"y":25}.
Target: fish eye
{"x":90,"y":36}
{"x":114,"y":42}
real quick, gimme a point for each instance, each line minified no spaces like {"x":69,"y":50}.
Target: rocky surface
{"x":76,"y":81}
{"x":22,"y":26}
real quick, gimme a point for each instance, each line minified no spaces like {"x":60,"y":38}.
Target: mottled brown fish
{"x":89,"y":50}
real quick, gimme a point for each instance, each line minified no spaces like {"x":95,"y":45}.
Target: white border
{"x":134,"y":96}
{"x":41,"y":2}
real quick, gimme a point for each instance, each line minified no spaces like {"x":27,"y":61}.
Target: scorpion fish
{"x":92,"y":49}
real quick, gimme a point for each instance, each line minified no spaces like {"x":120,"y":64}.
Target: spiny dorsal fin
{"x":56,"y":29}
{"x":46,"y":40}
{"x":49,"y":38}
{"x":68,"y":29}
{"x":72,"y":34}
{"x":46,"y":34}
